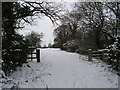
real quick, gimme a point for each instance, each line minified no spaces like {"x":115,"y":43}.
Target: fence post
{"x":89,"y":55}
{"x":102,"y":55}
{"x":38,"y":55}
{"x":31,"y":54}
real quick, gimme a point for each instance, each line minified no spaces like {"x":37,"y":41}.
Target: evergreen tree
{"x":15,"y":48}
{"x":11,"y":40}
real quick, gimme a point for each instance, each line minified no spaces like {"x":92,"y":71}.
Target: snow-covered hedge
{"x":114,"y":54}
{"x":6,"y":82}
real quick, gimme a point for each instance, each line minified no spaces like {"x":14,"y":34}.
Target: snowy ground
{"x":60,"y":69}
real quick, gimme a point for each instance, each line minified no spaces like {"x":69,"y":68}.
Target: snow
{"x":1,"y":61}
{"x":60,"y":69}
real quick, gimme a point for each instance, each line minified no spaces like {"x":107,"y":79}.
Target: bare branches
{"x":39,"y":9}
{"x":44,"y":8}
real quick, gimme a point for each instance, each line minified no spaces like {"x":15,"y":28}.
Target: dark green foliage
{"x":14,"y":48}
{"x":14,"y":55}
{"x":11,"y":40}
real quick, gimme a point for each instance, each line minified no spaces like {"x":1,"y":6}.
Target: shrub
{"x":114,"y":55}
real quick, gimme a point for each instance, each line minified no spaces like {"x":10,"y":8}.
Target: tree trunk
{"x":0,"y":30}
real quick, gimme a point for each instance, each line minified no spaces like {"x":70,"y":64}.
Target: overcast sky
{"x":45,"y":26}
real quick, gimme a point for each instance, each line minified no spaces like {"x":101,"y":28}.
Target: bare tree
{"x":114,"y":7}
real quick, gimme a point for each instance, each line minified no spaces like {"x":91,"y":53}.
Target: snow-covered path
{"x":69,"y":70}
{"x":60,"y":69}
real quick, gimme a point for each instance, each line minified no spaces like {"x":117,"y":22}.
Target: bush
{"x":70,"y":46}
{"x":114,"y":54}
{"x":14,"y":54}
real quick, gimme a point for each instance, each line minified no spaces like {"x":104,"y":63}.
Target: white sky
{"x":43,"y":25}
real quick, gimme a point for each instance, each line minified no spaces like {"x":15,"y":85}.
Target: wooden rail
{"x":37,"y":53}
{"x":104,"y":55}
{"x":100,"y":54}
{"x":31,"y":53}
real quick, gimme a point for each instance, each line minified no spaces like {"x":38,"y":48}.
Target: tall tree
{"x":34,"y":39}
{"x":97,"y":17}
{"x":13,"y":14}
{"x":114,"y":8}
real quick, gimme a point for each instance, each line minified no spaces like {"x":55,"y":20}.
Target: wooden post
{"x":1,"y":30}
{"x":102,"y":55}
{"x":89,"y":55}
{"x":31,"y":55}
{"x":38,"y":55}
{"x":1,"y":36}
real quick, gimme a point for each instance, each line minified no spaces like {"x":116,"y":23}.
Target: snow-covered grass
{"x":60,"y":69}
